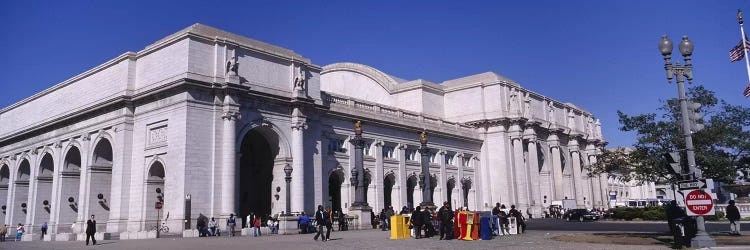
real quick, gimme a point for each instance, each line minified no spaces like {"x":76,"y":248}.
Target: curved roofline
{"x":386,"y":81}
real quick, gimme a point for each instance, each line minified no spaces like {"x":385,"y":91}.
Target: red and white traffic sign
{"x":699,"y":202}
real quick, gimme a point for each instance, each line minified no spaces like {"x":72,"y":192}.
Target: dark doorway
{"x":450,"y":185}
{"x":255,"y":175}
{"x":334,"y":189}
{"x":388,"y":183}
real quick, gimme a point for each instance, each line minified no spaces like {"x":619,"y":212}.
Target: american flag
{"x":736,"y":53}
{"x":746,"y":93}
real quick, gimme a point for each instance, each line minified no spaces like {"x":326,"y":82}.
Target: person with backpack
{"x":445,"y":214}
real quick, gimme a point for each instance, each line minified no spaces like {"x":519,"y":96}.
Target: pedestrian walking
{"x":445,"y":214}
{"x":733,"y":215}
{"x":320,"y":220}
{"x":91,"y":230}
{"x":328,"y":222}
{"x":382,"y":220}
{"x":44,"y":230}
{"x":521,"y":225}
{"x":231,"y":223}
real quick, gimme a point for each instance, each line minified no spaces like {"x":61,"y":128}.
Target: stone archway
{"x":335,"y":179}
{"x":4,"y":183}
{"x":43,"y":202}
{"x":257,"y":174}
{"x":100,"y":183}
{"x":388,"y":182}
{"x":155,"y":192}
{"x":70,"y":178}
{"x":21,"y":193}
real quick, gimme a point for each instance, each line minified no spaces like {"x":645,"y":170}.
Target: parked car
{"x":580,"y":214}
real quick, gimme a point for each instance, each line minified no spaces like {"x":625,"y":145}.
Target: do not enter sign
{"x":699,"y":202}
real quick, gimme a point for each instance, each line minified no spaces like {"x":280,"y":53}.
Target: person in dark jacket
{"x":675,"y":213}
{"x":496,"y":219}
{"x":91,"y":230}
{"x":328,"y":221}
{"x":404,"y":210}
{"x":519,"y":218}
{"x":733,"y":215}
{"x":445,"y":214}
{"x":320,"y":220}
{"x":417,"y":222}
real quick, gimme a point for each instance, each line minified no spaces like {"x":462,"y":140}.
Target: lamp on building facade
{"x":288,"y":172}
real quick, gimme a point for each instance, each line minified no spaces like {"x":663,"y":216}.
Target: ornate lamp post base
{"x":363,"y":215}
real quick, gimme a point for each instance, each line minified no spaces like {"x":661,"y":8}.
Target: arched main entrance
{"x":100,"y":183}
{"x":70,"y":176}
{"x":43,"y":202}
{"x":256,"y":173}
{"x":21,"y":193}
{"x":4,"y":182}
{"x":334,"y":188}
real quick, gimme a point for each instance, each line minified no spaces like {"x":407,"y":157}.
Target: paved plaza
{"x":365,"y":239}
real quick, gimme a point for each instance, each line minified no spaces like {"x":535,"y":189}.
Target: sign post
{"x":699,"y":203}
{"x":158,"y":217}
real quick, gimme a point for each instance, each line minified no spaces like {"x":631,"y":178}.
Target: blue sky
{"x":600,"y":55}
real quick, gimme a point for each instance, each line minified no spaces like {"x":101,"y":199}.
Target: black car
{"x":580,"y":215}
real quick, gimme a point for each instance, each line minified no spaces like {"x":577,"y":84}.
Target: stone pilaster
{"x":379,"y":186}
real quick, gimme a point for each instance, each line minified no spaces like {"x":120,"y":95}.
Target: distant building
{"x":211,"y":119}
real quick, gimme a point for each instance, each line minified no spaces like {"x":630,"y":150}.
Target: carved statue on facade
{"x":598,"y":129}
{"x":232,"y":66}
{"x":299,"y":78}
{"x":513,"y":102}
{"x":527,"y":105}
{"x":589,"y":126}
{"x":571,"y":119}
{"x":551,"y":110}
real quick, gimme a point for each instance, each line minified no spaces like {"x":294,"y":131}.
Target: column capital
{"x":299,"y":125}
{"x":378,"y":143}
{"x":401,"y":146}
{"x":231,"y":115}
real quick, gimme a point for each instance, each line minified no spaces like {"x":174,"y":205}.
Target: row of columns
{"x":520,"y":180}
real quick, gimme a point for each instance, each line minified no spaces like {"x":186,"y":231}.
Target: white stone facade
{"x":216,"y":117}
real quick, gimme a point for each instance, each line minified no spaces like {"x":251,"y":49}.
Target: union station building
{"x":205,"y":122}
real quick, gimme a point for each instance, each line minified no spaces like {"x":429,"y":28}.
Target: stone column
{"x":299,"y":124}
{"x":230,"y":116}
{"x":557,"y":175}
{"x":520,"y":171}
{"x":533,"y":160}
{"x":577,"y":178}
{"x":459,"y":158}
{"x":402,"y":176}
{"x":379,"y":186}
{"x":443,"y":177}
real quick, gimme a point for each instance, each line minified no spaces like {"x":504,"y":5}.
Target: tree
{"x":721,"y":148}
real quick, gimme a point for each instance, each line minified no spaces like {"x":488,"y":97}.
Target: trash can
{"x":486,"y":228}
{"x":399,"y":227}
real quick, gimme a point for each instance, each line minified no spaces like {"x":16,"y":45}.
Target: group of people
{"x":384,"y":218}
{"x":20,"y":230}
{"x":324,"y":219}
{"x":501,"y":225}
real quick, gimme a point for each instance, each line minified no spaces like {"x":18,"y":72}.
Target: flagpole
{"x":744,"y":43}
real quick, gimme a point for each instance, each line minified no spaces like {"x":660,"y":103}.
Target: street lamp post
{"x":288,"y":172}
{"x":680,"y":73}
{"x":424,"y":151}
